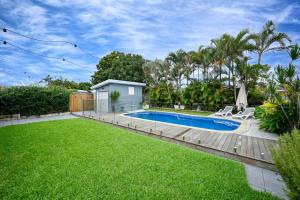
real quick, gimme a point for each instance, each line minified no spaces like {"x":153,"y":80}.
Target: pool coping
{"x":244,"y":125}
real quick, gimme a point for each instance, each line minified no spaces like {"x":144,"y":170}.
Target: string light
{"x":6,"y":30}
{"x":41,"y":55}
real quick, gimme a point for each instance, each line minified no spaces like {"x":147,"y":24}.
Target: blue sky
{"x":152,"y":28}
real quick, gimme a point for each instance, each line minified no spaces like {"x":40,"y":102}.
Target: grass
{"x":190,"y":112}
{"x":85,"y":159}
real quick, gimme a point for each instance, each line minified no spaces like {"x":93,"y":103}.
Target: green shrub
{"x":256,"y":96}
{"x":209,"y":96}
{"x":33,"y":100}
{"x":277,"y":118}
{"x":287,"y":159}
{"x":161,"y":95}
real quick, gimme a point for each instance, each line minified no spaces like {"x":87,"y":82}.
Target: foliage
{"x":208,"y":96}
{"x":84,"y":86}
{"x":33,"y":100}
{"x":264,"y":41}
{"x":120,"y":66}
{"x":114,"y":96}
{"x":155,"y":72}
{"x":256,"y":96}
{"x":161,"y":95}
{"x":250,"y":74}
{"x":61,"y":82}
{"x":276,"y":118}
{"x":284,"y":94}
{"x":287,"y":159}
{"x":178,"y":64}
{"x":85,"y":159}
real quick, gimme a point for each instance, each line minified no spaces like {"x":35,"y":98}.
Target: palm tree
{"x":178,"y":64}
{"x":220,"y":46}
{"x":249,"y":74}
{"x":235,"y":50}
{"x":294,"y":52}
{"x":265,"y":40}
{"x":196,"y":59}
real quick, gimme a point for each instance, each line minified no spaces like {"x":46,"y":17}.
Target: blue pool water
{"x":194,"y":121}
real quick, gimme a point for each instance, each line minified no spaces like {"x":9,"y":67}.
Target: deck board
{"x":244,"y":145}
{"x":232,"y":143}
{"x":268,"y":145}
{"x":217,"y":140}
{"x":256,"y":148}
{"x":222,"y":141}
{"x":250,"y":151}
{"x":226,"y":144}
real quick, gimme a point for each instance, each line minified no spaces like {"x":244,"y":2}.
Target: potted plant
{"x":114,"y":96}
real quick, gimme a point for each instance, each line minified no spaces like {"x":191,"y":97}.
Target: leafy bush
{"x":287,"y":159}
{"x":33,"y":100}
{"x":209,"y":96}
{"x":161,"y":95}
{"x":256,"y":96}
{"x":276,"y":118}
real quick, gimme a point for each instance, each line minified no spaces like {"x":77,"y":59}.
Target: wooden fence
{"x":77,"y":101}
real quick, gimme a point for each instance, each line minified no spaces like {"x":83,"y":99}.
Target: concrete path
{"x":36,"y":119}
{"x":266,"y":181}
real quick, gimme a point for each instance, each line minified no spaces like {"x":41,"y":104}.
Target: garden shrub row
{"x":33,"y":100}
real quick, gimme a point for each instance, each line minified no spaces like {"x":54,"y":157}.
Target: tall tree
{"x":250,"y":74}
{"x":266,"y":39}
{"x":155,"y":72}
{"x":235,"y":50}
{"x":117,"y":65}
{"x":220,"y":46}
{"x":201,"y":58}
{"x":179,"y":68}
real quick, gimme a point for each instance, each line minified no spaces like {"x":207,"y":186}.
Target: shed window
{"x":131,"y":90}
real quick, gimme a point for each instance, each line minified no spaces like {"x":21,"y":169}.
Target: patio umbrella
{"x":241,"y":101}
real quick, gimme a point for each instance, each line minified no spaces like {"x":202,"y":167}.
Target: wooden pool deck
{"x":244,"y":148}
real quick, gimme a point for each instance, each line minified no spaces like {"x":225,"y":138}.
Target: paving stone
{"x":266,"y":180}
{"x":37,"y":119}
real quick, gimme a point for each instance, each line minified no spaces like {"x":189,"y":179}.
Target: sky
{"x":151,"y":28}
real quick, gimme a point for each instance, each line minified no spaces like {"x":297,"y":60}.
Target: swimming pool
{"x":187,"y":120}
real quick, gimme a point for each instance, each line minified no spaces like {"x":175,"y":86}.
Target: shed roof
{"x":109,"y":81}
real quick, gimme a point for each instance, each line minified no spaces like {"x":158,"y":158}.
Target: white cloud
{"x":152,"y":28}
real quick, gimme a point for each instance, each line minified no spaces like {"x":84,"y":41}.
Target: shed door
{"x":102,"y":101}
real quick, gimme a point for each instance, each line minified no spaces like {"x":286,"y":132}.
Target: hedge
{"x":33,"y":100}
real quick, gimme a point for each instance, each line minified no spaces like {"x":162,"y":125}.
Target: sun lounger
{"x":176,"y":107}
{"x":225,"y":112}
{"x":248,"y":112}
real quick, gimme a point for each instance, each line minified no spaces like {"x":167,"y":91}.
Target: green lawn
{"x":190,"y":112}
{"x":84,"y":159}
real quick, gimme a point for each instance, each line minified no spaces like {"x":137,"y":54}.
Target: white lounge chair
{"x":181,"y":107}
{"x":225,"y":112}
{"x":248,"y":112}
{"x":176,"y":107}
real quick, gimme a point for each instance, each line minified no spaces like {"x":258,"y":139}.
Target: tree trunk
{"x":204,"y":73}
{"x":220,"y":68}
{"x":259,"y":57}
{"x":198,"y":73}
{"x":207,"y":74}
{"x":234,"y":85}
{"x":229,"y":77}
